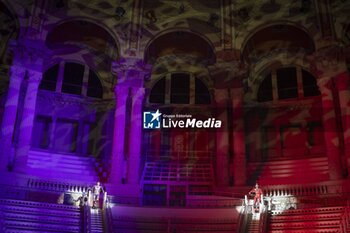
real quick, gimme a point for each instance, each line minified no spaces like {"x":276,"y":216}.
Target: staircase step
{"x":62,"y":166}
{"x":325,"y":219}
{"x":289,"y":171}
{"x":292,"y":161}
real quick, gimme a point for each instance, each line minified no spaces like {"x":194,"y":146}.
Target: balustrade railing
{"x":57,"y":186}
{"x":43,"y":205}
{"x":296,"y":190}
{"x":180,"y":156}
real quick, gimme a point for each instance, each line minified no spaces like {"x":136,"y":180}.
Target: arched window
{"x":310,"y":87}
{"x":180,"y":88}
{"x":201,"y":93}
{"x":94,"y":86}
{"x":157,"y":95}
{"x":73,"y":77}
{"x":50,"y":79}
{"x":287,"y":83}
{"x":183,"y":88}
{"x":265,"y":89}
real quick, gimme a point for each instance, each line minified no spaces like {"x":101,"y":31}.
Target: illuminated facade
{"x":77,"y":77}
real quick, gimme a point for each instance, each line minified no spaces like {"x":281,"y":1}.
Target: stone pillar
{"x":135,"y":135}
{"x":342,"y":83}
{"x":117,"y":169}
{"x":222,"y":139}
{"x":9,"y":116}
{"x":330,"y":129}
{"x":26,"y":126}
{"x":125,"y":169}
{"x":239,"y":156}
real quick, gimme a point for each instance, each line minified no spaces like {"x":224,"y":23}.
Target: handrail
{"x":263,"y":220}
{"x":242,"y":218}
{"x":107,"y":219}
{"x":86,"y":219}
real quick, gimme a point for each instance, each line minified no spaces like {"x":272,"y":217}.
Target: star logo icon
{"x":155,"y":115}
{"x":151,"y":119}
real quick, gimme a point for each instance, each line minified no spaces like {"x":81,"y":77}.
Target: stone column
{"x":117,"y":169}
{"x":222,"y":139}
{"x":9,"y":116}
{"x":330,"y":129}
{"x":26,"y":126}
{"x":135,"y":135}
{"x":125,"y":169}
{"x":342,"y":83}
{"x":239,"y":156}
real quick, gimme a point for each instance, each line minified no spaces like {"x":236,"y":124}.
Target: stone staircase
{"x":25,"y":216}
{"x":312,"y":220}
{"x":297,"y":171}
{"x":96,"y":220}
{"x":62,"y":166}
{"x":253,"y":223}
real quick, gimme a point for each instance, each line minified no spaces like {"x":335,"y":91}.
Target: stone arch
{"x":176,"y":44}
{"x":277,"y":36}
{"x":95,"y":36}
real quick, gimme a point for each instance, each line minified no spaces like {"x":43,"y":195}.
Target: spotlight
{"x":120,"y":12}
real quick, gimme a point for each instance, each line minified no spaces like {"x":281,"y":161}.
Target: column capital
{"x":30,"y":54}
{"x":329,"y":60}
{"x":129,"y":69}
{"x":17,"y":73}
{"x":121,"y":90}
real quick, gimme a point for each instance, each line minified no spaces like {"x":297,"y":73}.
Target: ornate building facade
{"x":78,"y":77}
